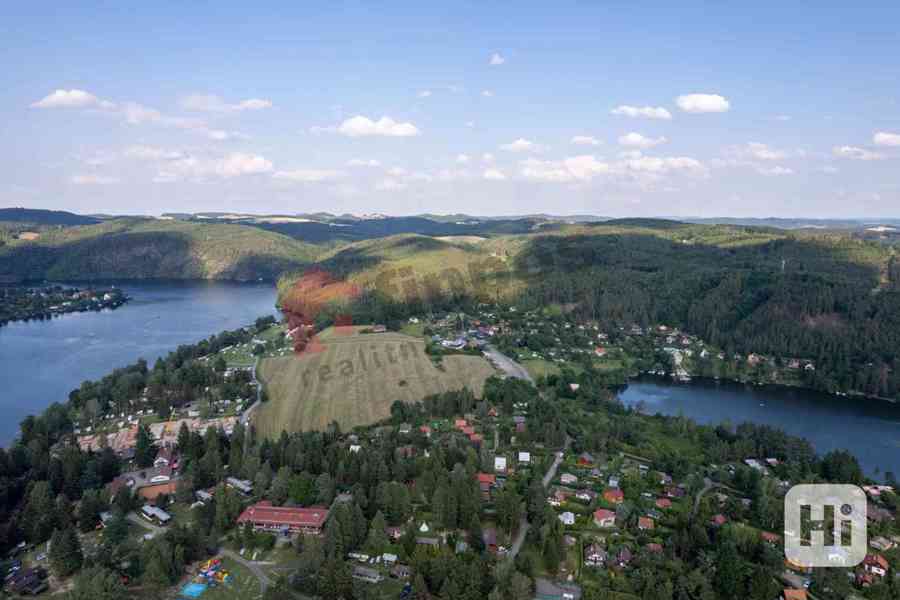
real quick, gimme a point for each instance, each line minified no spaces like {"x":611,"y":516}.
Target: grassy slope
{"x":303,"y":396}
{"x":150,"y":248}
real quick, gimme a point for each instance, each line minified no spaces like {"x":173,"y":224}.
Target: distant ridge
{"x":44,"y":217}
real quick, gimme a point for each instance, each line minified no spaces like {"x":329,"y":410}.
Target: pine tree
{"x":144,"y":450}
{"x":377,"y":541}
{"x":65,"y":552}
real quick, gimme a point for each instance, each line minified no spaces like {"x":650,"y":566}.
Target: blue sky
{"x":613,"y":108}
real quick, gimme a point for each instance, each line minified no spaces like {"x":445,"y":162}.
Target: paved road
{"x":245,"y":418}
{"x":506,"y":364}
{"x":524,"y":525}
{"x":155,"y":529}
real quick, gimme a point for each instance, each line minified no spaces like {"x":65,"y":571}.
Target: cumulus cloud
{"x":135,"y":113}
{"x":424,"y":94}
{"x":884,"y":138}
{"x":360,"y":126}
{"x":762,"y":151}
{"x":231,"y":165}
{"x":521,"y":145}
{"x":462,"y":159}
{"x":496,"y":59}
{"x":390,"y":185}
{"x":638,"y":168}
{"x":215,"y":104}
{"x":493,"y":175}
{"x":93,"y":180}
{"x":362,"y":162}
{"x":71,"y":99}
{"x":152,"y":153}
{"x":585,"y":140}
{"x":636,"y":140}
{"x":775,"y":171}
{"x":308,"y":175}
{"x":487,"y":158}
{"x":855,"y":153}
{"x":239,"y":163}
{"x":487,"y":93}
{"x":647,"y":112}
{"x":702,"y":103}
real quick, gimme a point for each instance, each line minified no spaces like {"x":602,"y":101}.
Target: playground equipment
{"x":211,"y":574}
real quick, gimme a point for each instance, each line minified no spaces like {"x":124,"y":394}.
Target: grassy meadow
{"x":353,"y":378}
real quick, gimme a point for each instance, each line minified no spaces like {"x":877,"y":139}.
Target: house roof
{"x":876,"y":560}
{"x":792,"y":594}
{"x":280,"y":516}
{"x":645,"y":523}
{"x":613,"y":495}
{"x":601,"y":513}
{"x":486,"y":478}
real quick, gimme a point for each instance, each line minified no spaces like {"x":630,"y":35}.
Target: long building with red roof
{"x":265,"y":517}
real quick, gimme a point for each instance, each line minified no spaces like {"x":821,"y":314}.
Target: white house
{"x":568,"y":479}
{"x":525,"y":458}
{"x":500,"y":464}
{"x":567,"y":518}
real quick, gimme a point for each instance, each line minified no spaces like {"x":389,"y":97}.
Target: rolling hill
{"x":143,"y":248}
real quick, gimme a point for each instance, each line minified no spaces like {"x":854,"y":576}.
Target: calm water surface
{"x":869,"y":429}
{"x":42,"y":361}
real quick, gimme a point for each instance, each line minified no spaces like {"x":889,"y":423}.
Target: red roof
{"x":719,"y":519}
{"x":645,"y":523}
{"x":486,"y":478}
{"x":876,"y":560}
{"x":460,"y":423}
{"x":601,"y":514}
{"x":263,"y":513}
{"x":792,"y":594}
{"x":468,"y":430}
{"x":663,"y":503}
{"x":615,"y":496}
{"x":425,"y":429}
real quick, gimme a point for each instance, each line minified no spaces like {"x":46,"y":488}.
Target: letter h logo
{"x":825,"y":525}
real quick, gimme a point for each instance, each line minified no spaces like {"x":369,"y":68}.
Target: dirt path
{"x":506,"y":364}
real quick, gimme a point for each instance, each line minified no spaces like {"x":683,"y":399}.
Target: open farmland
{"x":353,"y":378}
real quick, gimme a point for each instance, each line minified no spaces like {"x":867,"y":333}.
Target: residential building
{"x":366,"y":574}
{"x":265,"y":517}
{"x":604,"y":518}
{"x":645,"y":523}
{"x":614,"y":496}
{"x":595,"y":555}
{"x":156,"y":515}
{"x":243,"y":486}
{"x":567,"y":518}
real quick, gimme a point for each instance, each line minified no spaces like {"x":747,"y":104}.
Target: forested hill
{"x":138,"y":248}
{"x":823,"y":296}
{"x":44,"y":217}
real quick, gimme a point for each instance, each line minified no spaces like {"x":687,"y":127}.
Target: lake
{"x":42,"y":361}
{"x":870,"y":429}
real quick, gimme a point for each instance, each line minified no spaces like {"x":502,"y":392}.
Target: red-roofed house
{"x":663,"y":503}
{"x":604,"y":518}
{"x":645,"y":523}
{"x":719,"y":520}
{"x":263,"y":516}
{"x":468,"y":430}
{"x":426,"y":430}
{"x":794,"y":594}
{"x":460,"y":423}
{"x":486,"y":481}
{"x":614,"y":496}
{"x":876,"y":565}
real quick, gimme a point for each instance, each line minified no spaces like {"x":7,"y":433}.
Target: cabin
{"x":645,"y":523}
{"x":366,"y":574}
{"x":242,"y":486}
{"x":595,"y":556}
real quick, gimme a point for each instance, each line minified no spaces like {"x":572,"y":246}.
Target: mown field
{"x":353,"y":378}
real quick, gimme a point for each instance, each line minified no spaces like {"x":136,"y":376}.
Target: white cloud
{"x":390,"y":185}
{"x":855,"y":153}
{"x":239,"y":163}
{"x":135,"y":113}
{"x":213,"y":103}
{"x":638,"y":169}
{"x":470,"y":124}
{"x":487,"y":93}
{"x":585,"y":140}
{"x":462,"y":159}
{"x":653,"y":164}
{"x":493,"y":175}
{"x":360,"y":126}
{"x":424,"y":94}
{"x":487,"y":158}
{"x":648,"y":112}
{"x":71,"y":99}
{"x":397,"y":171}
{"x":521,"y":145}
{"x":496,"y":59}
{"x":636,"y":140}
{"x":783,"y":118}
{"x":152,"y":153}
{"x":761,"y":151}
{"x":883,"y":138}
{"x":362,"y":162}
{"x":775,"y":171}
{"x":702,"y":103}
{"x":829,"y":169}
{"x":93,"y":180}
{"x":308,"y":175}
